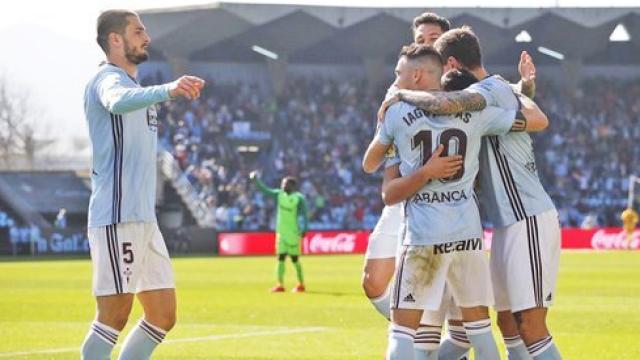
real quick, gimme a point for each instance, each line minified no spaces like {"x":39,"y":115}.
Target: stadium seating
{"x":320,"y":129}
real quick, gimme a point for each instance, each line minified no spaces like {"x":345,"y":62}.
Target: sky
{"x":49,"y":51}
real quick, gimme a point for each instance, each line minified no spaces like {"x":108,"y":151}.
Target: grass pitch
{"x":226,"y":312}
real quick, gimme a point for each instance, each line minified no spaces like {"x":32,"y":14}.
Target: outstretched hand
{"x":386,"y":104}
{"x":186,"y":86}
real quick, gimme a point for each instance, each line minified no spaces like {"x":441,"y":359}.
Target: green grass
{"x":225,"y":311}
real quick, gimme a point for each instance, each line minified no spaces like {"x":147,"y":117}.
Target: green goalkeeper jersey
{"x":290,"y":207}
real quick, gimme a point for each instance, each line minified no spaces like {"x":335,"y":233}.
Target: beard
{"x":136,"y":57}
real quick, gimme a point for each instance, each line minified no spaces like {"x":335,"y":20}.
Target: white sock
{"x":456,"y":345}
{"x":479,"y":333}
{"x":400,"y":343}
{"x":544,"y":349}
{"x":426,"y":342}
{"x":99,"y":342}
{"x":141,"y":341}
{"x":516,"y":349}
{"x":383,"y":304}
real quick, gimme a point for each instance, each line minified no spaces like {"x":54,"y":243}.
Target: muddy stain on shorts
{"x":424,"y":265}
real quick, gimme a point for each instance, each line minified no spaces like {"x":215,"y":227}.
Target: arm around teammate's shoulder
{"x":530,"y":118}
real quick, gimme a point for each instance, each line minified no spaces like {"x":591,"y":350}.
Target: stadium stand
{"x":320,"y":128}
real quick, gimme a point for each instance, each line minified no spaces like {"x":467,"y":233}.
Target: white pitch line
{"x":183,"y":340}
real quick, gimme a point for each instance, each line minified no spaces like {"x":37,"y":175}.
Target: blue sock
{"x":99,"y":342}
{"x":426,"y":342}
{"x":479,"y":333}
{"x":383,"y":304}
{"x":400,"y":343}
{"x":141,"y":341}
{"x":516,"y":349}
{"x":544,"y":349}
{"x":456,"y":345}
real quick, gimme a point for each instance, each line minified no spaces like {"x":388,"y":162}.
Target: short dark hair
{"x":457,"y":79}
{"x":461,"y":44}
{"x":418,"y":51}
{"x":292,"y":181}
{"x":431,"y":18}
{"x":112,"y":21}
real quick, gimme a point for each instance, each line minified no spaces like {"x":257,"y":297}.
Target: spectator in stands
{"x":319,"y":128}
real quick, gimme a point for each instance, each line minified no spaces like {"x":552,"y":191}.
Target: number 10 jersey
{"x":444,"y":210}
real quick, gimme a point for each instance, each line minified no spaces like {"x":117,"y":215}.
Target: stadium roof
{"x":320,"y":34}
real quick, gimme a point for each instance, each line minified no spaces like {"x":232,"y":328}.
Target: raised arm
{"x":396,"y":188}
{"x":120,"y":99}
{"x":271,"y":192}
{"x":527,"y":69}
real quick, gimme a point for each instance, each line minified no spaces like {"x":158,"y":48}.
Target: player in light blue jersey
{"x":441,"y":212}
{"x":526,"y":242}
{"x":128,"y":252}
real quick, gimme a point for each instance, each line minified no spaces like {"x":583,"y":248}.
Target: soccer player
{"x":383,"y":241}
{"x":291,"y":206}
{"x":384,"y":244}
{"x":128,"y":252}
{"x":450,"y":250}
{"x":526,"y":243}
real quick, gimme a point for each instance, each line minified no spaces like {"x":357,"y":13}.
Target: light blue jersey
{"x":443,"y":210}
{"x":510,"y":189}
{"x":123,"y":129}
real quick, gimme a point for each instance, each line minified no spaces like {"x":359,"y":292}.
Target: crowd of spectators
{"x":319,"y":128}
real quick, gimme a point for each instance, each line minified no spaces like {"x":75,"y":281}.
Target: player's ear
{"x":115,"y":40}
{"x":417,"y":75}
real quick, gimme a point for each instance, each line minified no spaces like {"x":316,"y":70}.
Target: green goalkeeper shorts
{"x":287,"y":246}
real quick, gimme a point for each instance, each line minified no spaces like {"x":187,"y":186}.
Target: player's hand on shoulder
{"x":439,"y":167}
{"x":386,"y":104}
{"x":186,"y":86}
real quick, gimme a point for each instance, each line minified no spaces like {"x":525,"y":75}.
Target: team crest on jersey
{"x":152,"y":118}
{"x":531,"y":166}
{"x":391,"y":152}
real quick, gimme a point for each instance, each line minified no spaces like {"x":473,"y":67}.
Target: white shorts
{"x":423,"y":273}
{"x":385,"y":238}
{"x":129,"y":258}
{"x":448,"y":311}
{"x":524,"y":262}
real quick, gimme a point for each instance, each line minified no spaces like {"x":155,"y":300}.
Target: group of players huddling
{"x":446,"y":126}
{"x":432,"y":143}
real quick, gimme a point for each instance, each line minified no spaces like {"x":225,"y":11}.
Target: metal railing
{"x":198,"y":207}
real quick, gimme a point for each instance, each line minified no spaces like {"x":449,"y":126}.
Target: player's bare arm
{"x":396,"y":188}
{"x":374,"y":156}
{"x":530,"y":118}
{"x":437,"y":102}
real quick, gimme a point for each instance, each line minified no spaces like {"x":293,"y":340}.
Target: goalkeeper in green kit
{"x":291,"y":205}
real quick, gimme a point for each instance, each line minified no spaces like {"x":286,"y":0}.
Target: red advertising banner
{"x":314,"y":242}
{"x":355,"y":242}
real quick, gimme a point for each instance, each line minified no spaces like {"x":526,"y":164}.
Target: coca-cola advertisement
{"x":314,"y":242}
{"x":355,"y":242}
